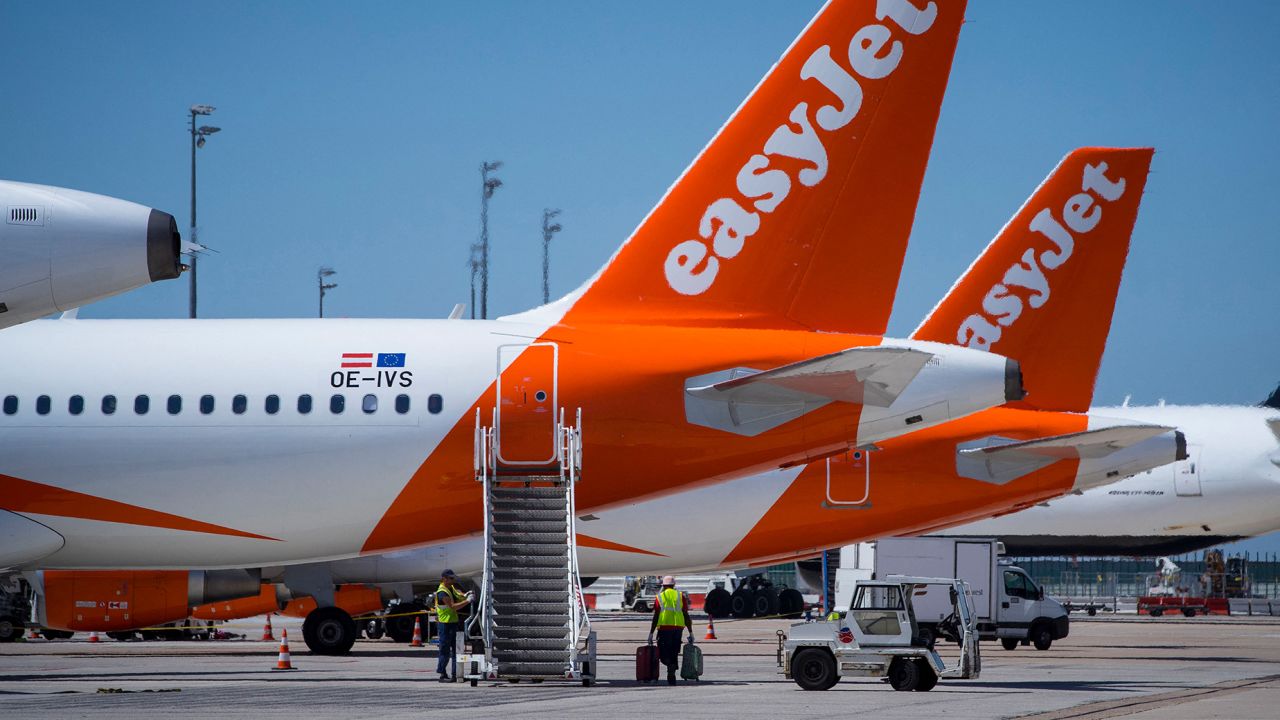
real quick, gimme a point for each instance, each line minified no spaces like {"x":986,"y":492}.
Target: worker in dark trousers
{"x":670,"y":619}
{"x":449,"y":599}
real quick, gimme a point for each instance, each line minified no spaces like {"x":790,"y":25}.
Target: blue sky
{"x":352,"y":136}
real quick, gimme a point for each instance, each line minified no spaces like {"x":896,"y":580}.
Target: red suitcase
{"x":647,"y":663}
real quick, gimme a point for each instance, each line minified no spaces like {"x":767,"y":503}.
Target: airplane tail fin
{"x":1043,"y":292}
{"x":797,"y":213}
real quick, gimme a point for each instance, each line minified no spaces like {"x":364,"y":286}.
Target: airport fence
{"x":1135,"y":577}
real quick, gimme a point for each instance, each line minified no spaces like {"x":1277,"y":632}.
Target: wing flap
{"x":1088,"y":444}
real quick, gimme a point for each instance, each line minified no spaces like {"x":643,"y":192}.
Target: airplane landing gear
{"x":329,"y":631}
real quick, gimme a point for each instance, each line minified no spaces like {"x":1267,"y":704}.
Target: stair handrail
{"x":483,"y":455}
{"x":571,"y":464}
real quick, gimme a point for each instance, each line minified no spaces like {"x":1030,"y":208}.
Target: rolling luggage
{"x":647,"y":663}
{"x":691,"y":662}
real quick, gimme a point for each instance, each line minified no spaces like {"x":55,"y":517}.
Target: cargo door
{"x":1186,"y":473}
{"x":526,"y":404}
{"x":974,"y":565}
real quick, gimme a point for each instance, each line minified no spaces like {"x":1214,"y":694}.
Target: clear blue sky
{"x":352,"y":135}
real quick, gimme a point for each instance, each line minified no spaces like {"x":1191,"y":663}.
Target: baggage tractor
{"x":647,"y":663}
{"x":691,"y":662}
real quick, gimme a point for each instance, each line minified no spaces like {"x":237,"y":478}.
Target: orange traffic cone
{"x":93,"y":636}
{"x":284,"y":663}
{"x":417,"y":632}
{"x":32,"y":634}
{"x":266,"y":631}
{"x":711,"y":629}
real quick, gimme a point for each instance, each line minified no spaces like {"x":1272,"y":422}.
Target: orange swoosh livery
{"x":794,"y":218}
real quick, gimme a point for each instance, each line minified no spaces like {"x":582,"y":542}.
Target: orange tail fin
{"x":797,"y":213}
{"x":1044,"y":290}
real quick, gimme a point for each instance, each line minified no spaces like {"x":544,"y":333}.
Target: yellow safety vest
{"x":444,"y":613}
{"x":671,"y":608}
{"x":835,"y":615}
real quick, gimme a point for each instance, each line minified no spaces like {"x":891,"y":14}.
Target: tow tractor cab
{"x":879,"y":638}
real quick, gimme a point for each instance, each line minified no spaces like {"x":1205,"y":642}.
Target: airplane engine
{"x":113,"y":600}
{"x":60,"y":249}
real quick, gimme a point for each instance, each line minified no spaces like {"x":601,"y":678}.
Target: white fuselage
{"x":1228,"y":488}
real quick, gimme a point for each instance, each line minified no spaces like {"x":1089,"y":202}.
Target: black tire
{"x":1041,"y":636}
{"x":10,"y":628}
{"x":1189,"y":612}
{"x":904,"y":674}
{"x":57,"y":634}
{"x":790,"y":603}
{"x":1009,"y":643}
{"x":150,"y":635}
{"x":814,"y":669}
{"x":329,"y":631}
{"x":122,"y":636}
{"x":1092,"y":611}
{"x":374,"y":630}
{"x":766,"y":602}
{"x":742,"y":604}
{"x":718,"y":603}
{"x":400,"y":628}
{"x":928,"y":678}
{"x":1155,"y":612}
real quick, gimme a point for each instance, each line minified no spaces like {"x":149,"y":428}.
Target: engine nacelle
{"x":111,"y":600}
{"x":61,"y":249}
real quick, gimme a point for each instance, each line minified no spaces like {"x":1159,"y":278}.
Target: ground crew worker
{"x":833,"y":615}
{"x":449,"y":599}
{"x":670,"y":619}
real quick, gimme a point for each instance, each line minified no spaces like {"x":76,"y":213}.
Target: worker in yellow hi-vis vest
{"x":449,"y":599}
{"x":670,"y":619}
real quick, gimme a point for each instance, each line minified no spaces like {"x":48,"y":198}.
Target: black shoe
{"x":671,"y":678}
{"x":445,"y":678}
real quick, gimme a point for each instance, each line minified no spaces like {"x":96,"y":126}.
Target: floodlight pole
{"x":191,"y":299}
{"x":321,"y":274}
{"x":548,"y":229}
{"x":487,"y":187}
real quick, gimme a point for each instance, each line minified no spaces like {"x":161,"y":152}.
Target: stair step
{"x":532,"y":669}
{"x":503,"y":587}
{"x":514,"y":621}
{"x":503,"y":563}
{"x":528,"y":493}
{"x":561,"y":654}
{"x":530,"y":606}
{"x":539,"y":549}
{"x":523,"y":516}
{"x":560,"y":644}
{"x":506,"y":537}
{"x":558,"y":634}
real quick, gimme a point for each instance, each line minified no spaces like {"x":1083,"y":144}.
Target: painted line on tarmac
{"x":1119,"y":708}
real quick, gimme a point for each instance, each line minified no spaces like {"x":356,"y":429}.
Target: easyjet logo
{"x":691,"y":266}
{"x":1026,"y":282}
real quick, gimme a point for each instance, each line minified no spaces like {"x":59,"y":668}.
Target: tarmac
{"x":1131,"y":667}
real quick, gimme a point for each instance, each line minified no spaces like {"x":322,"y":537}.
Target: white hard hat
{"x":668,"y":580}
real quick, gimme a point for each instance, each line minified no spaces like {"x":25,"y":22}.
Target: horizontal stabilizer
{"x":865,"y":376}
{"x":745,"y":401}
{"x":999,"y":460}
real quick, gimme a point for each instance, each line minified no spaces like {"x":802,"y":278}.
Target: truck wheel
{"x":329,"y":631}
{"x":904,"y":674}
{"x":790,"y":603}
{"x":1092,"y":611}
{"x":766,"y":603}
{"x":742,"y":604}
{"x":1189,"y":612}
{"x":400,"y":627}
{"x":814,"y":669}
{"x":718,"y":603}
{"x":1009,"y":643}
{"x":373,"y":629}
{"x":928,"y":678}
{"x":1041,"y":637}
{"x":10,"y":628}
{"x":1155,"y":612}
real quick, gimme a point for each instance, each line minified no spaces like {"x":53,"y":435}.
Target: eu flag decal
{"x":391,"y":360}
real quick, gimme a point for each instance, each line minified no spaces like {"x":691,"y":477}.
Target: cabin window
{"x":174,"y":404}
{"x":108,"y":404}
{"x":10,"y":404}
{"x":272,"y":405}
{"x":304,"y":404}
{"x":337,"y":404}
{"x":141,"y":404}
{"x":369,"y":404}
{"x":239,"y":404}
{"x":402,"y":404}
{"x":206,"y":404}
{"x":435,"y":404}
{"x":75,"y":404}
{"x":43,"y":404}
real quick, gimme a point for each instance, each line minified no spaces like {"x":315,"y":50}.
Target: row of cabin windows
{"x":239,"y":404}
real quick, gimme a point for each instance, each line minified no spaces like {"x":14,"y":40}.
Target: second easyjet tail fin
{"x":797,"y":213}
{"x":1044,"y":291}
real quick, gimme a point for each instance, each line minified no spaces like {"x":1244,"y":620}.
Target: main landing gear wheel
{"x":766,"y":602}
{"x":400,"y":627}
{"x":790,"y":603}
{"x":329,"y":631}
{"x":718,"y":603}
{"x":814,"y":669}
{"x":904,"y":674}
{"x":742,"y":604}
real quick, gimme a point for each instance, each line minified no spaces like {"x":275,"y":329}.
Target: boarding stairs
{"x":532,"y":616}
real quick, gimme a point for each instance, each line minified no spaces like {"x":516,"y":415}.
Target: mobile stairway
{"x":532,"y":616}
